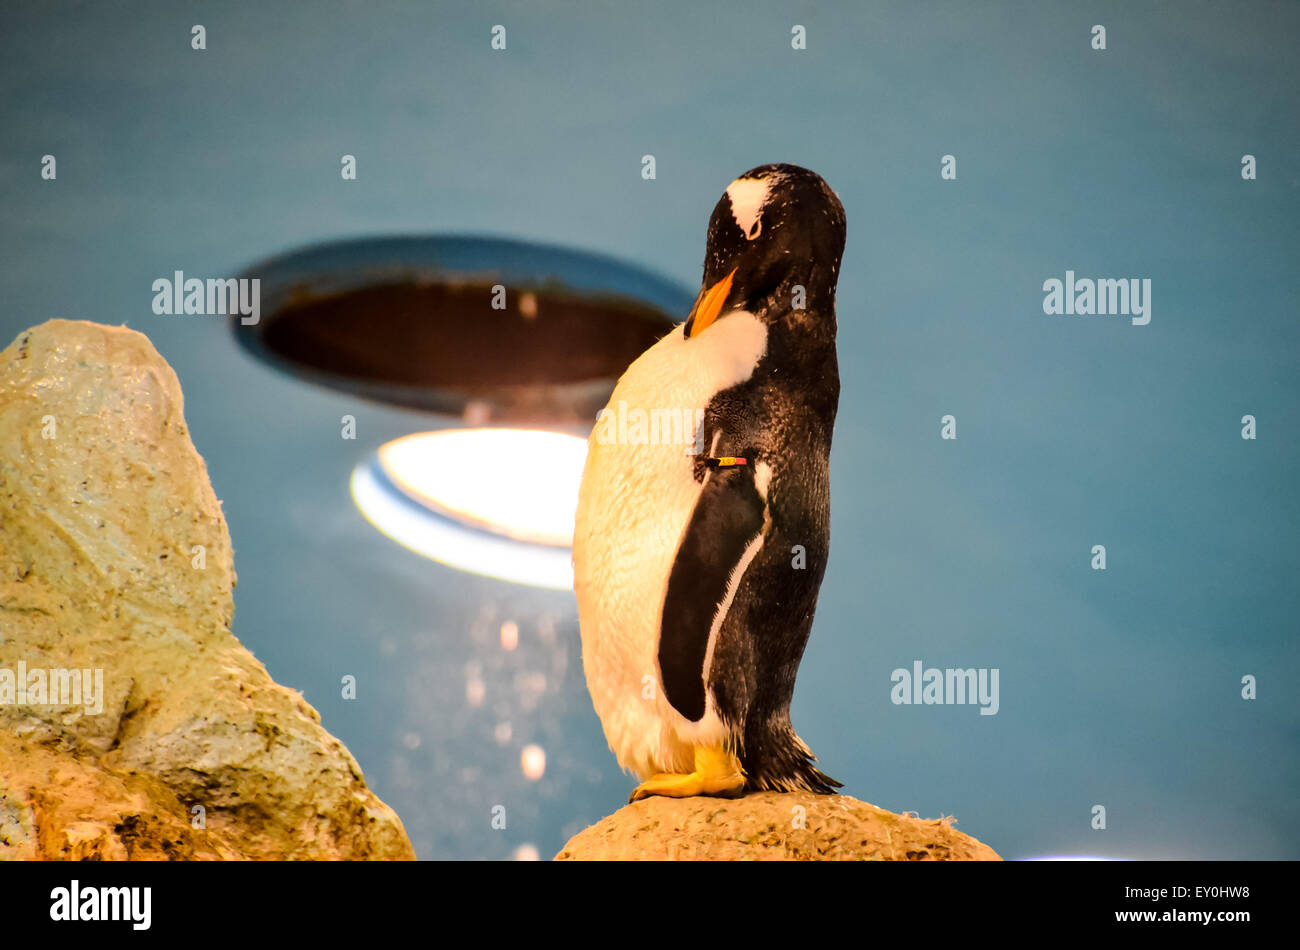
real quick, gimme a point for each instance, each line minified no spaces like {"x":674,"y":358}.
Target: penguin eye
{"x":755,"y":230}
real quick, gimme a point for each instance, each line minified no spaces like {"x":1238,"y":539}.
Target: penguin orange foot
{"x":717,"y":772}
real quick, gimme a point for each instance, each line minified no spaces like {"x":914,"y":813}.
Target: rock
{"x":770,"y":826}
{"x":115,"y":557}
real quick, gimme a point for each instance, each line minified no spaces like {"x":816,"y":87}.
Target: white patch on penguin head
{"x":748,"y":196}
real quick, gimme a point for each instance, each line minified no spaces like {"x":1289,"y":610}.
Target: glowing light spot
{"x":497,"y":502}
{"x":527,"y":852}
{"x":533,"y":761}
{"x":475,"y":691}
{"x":509,"y":635}
{"x":476,"y":413}
{"x":503,"y":732}
{"x":516,"y":482}
{"x":528,"y":306}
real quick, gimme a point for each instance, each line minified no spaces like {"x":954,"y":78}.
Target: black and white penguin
{"x":697,"y":565}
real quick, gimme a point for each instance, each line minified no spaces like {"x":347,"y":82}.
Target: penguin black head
{"x":777,"y":228}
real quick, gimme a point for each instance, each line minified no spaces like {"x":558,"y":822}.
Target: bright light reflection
{"x":496,"y":502}
{"x":533,"y":762}
{"x":518,"y":482}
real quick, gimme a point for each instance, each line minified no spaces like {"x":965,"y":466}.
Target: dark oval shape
{"x":409,"y":321}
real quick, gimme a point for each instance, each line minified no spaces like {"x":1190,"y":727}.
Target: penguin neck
{"x":802,"y":309}
{"x":801,"y":343}
{"x":803,"y":335}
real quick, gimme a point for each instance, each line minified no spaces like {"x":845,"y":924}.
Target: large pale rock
{"x":114,"y":556}
{"x":770,"y":826}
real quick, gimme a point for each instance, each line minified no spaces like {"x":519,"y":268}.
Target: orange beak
{"x":708,"y":305}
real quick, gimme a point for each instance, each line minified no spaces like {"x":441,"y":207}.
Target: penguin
{"x":697,"y":559}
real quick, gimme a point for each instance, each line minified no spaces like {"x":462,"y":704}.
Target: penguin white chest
{"x":638,"y":493}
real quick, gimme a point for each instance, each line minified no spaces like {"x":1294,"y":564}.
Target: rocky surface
{"x":770,"y":826}
{"x":115,"y":557}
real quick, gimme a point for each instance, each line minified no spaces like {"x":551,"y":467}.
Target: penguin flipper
{"x":720,"y":539}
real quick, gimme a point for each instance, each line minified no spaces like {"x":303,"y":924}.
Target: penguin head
{"x":776,"y":229}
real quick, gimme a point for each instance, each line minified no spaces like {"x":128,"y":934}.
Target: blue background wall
{"x":1119,"y":687}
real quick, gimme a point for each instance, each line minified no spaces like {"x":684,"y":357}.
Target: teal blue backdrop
{"x":1120,"y":688}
